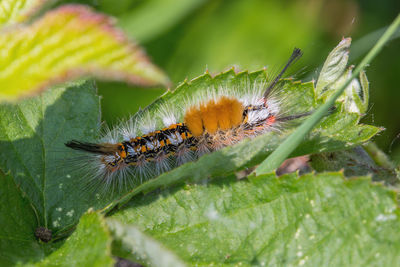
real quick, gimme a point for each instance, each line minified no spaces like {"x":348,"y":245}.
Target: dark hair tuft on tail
{"x":85,"y":146}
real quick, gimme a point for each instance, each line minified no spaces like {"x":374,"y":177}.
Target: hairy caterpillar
{"x":205,"y":123}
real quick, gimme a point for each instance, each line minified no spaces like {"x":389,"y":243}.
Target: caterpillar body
{"x":207,"y":123}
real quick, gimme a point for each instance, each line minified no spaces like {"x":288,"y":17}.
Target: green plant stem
{"x":378,"y":156}
{"x":276,"y":158}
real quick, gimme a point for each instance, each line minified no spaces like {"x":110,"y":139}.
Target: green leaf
{"x":17,"y":225}
{"x":69,"y":42}
{"x":334,"y":74}
{"x":89,"y":245}
{"x":16,"y":11}
{"x":362,"y":102}
{"x":338,"y":131}
{"x":313,"y":220}
{"x":144,"y":248}
{"x":32,"y":137}
{"x":334,"y":66}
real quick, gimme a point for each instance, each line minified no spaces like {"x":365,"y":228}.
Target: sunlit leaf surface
{"x":15,"y":11}
{"x":67,"y":43}
{"x":312,"y":220}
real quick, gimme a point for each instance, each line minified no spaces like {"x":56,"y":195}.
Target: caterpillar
{"x":206,"y":123}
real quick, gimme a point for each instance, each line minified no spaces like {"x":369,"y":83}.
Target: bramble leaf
{"x":335,"y":72}
{"x":313,"y":220}
{"x":69,"y":42}
{"x":32,"y":137}
{"x":89,"y":245}
{"x":334,"y":66}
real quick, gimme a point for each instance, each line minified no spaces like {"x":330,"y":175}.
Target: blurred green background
{"x":186,"y":37}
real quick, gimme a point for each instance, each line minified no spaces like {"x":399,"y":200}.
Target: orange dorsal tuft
{"x":223,"y":114}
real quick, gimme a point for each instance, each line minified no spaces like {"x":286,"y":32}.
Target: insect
{"x":207,"y":123}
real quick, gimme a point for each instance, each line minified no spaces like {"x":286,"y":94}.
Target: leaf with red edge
{"x":70,"y":42}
